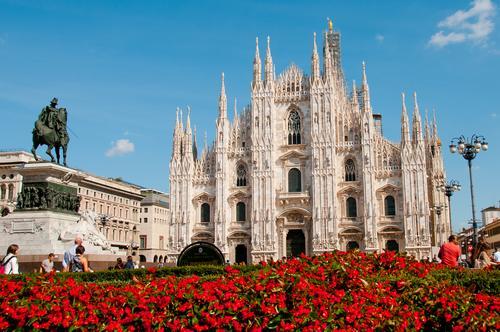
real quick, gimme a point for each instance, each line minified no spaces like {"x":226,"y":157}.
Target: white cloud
{"x":3,"y":39}
{"x":379,"y":38}
{"x":474,"y":25}
{"x":120,"y":147}
{"x":493,"y":115}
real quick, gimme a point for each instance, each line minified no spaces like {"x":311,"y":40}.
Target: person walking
{"x":68,"y":255}
{"x":47,"y":265}
{"x":9,"y":262}
{"x":79,"y":263}
{"x":450,"y":252}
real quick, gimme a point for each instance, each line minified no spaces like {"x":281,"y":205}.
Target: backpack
{"x":76,"y":265}
{"x":2,"y":265}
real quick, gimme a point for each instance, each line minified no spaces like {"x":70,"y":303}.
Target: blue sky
{"x":122,"y":67}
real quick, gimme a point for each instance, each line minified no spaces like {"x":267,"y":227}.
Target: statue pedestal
{"x":46,"y":220}
{"x":39,"y":233}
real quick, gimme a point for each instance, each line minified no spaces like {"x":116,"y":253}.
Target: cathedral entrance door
{"x":352,"y":245}
{"x":241,"y":254}
{"x":392,"y":245}
{"x":295,"y":243}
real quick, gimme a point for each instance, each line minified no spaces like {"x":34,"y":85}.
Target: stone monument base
{"x":39,"y":233}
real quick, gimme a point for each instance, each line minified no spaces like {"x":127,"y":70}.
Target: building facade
{"x":305,"y":169}
{"x":490,"y":214}
{"x":117,"y":205}
{"x":154,"y":222}
{"x":10,"y":179}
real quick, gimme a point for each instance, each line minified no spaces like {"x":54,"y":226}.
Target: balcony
{"x":293,"y":198}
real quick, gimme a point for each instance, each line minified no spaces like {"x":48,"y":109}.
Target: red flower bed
{"x":340,"y":291}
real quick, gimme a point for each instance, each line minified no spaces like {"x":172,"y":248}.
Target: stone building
{"x":10,"y":179}
{"x":306,"y":169}
{"x":153,"y":226}
{"x":117,"y":204}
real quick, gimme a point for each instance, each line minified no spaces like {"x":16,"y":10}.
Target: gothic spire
{"x":327,"y":61}
{"x":176,"y":118}
{"x":195,"y":146}
{"x":235,"y":119}
{"x":188,"y":120}
{"x":435,"y":135}
{"x":269,"y":68}
{"x":416,"y":122}
{"x":354,"y":100}
{"x":315,"y":61}
{"x":205,"y":142}
{"x":181,"y":125}
{"x":427,"y":134}
{"x":405,"y":125}
{"x":257,"y":79}
{"x":222,"y":99}
{"x":365,"y":90}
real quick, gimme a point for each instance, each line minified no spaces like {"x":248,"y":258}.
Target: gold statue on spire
{"x":330,"y":24}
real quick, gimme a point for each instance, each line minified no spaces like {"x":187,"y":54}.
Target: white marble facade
{"x":306,"y":168}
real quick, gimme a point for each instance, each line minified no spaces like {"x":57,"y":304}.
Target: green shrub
{"x":127,"y":274}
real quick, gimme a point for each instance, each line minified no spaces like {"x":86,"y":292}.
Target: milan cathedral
{"x":306,"y":169}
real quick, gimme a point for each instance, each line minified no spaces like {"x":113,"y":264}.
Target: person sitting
{"x":47,"y":265}
{"x":482,"y":259}
{"x":79,"y":263}
{"x":130,"y":263}
{"x":68,"y":255}
{"x":119,"y":264}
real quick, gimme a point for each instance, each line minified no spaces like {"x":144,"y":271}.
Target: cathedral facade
{"x":305,"y":169}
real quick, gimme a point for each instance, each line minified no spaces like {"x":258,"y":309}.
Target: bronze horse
{"x":56,"y":137}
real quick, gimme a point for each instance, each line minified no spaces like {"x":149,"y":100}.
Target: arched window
{"x":294,"y":181}
{"x":390,"y":207}
{"x":155,"y":259}
{"x":350,"y":170}
{"x":4,"y":191}
{"x":241,"y":213}
{"x":351,"y":209}
{"x":241,"y":176}
{"x":294,"y":128}
{"x":11,"y":192}
{"x":205,"y":212}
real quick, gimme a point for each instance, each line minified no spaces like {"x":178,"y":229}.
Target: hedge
{"x":127,"y":274}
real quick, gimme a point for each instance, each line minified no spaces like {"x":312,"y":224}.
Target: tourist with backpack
{"x":9,"y":263}
{"x":78,"y":262}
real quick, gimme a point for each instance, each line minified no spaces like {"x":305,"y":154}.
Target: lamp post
{"x":469,"y":148}
{"x":439,"y":209}
{"x":449,"y":188}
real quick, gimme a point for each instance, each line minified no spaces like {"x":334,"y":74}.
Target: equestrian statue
{"x":50,"y":130}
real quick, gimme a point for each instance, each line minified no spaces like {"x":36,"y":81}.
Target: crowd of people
{"x":481,"y":256}
{"x":75,"y":261}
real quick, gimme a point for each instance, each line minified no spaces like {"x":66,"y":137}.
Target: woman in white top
{"x":10,"y":260}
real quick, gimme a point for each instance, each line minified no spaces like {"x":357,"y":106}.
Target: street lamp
{"x":439,"y":209}
{"x":449,"y":188}
{"x":469,"y":148}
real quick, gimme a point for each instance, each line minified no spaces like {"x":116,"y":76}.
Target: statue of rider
{"x":48,"y":115}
